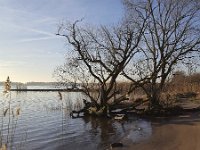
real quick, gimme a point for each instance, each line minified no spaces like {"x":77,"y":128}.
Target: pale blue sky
{"x":29,"y":48}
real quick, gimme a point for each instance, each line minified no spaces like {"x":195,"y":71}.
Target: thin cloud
{"x":7,"y":64}
{"x":36,"y":39}
{"x":17,"y":12}
{"x":28,"y":22}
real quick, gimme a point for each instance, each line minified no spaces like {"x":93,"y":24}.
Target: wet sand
{"x":177,"y":133}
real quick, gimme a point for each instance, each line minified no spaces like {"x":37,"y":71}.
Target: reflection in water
{"x":104,"y":130}
{"x":44,"y":123}
{"x":141,"y":130}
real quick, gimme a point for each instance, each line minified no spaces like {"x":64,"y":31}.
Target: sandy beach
{"x":177,"y":133}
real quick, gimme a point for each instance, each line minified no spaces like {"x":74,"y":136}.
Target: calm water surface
{"x":40,"y":120}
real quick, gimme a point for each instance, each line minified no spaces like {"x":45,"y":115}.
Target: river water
{"x":41,"y":121}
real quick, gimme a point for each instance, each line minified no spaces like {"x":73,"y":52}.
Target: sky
{"x":29,"y":47}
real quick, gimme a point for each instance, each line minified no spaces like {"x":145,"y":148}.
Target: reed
{"x":18,"y":111}
{"x":60,"y":95}
{"x":9,"y":119}
{"x":3,"y":147}
{"x":5,"y":112}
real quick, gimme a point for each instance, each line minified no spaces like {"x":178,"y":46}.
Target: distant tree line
{"x":182,"y":82}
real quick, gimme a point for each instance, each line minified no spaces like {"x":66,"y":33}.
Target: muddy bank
{"x":175,"y":133}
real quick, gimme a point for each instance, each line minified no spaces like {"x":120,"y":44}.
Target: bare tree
{"x":172,"y":36}
{"x":99,"y":57}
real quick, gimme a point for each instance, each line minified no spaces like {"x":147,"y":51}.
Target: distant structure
{"x":20,"y":86}
{"x":7,"y":85}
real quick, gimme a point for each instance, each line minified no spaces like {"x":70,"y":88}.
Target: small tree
{"x":98,"y":57}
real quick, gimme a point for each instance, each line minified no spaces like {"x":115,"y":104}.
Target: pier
{"x":46,"y":90}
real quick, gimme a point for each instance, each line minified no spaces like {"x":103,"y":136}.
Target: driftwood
{"x":131,"y":109}
{"x":91,"y":109}
{"x":85,"y":110}
{"x":114,"y":145}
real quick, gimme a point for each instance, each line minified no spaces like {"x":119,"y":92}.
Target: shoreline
{"x":171,"y":133}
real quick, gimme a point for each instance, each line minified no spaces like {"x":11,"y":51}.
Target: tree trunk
{"x":155,"y":99}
